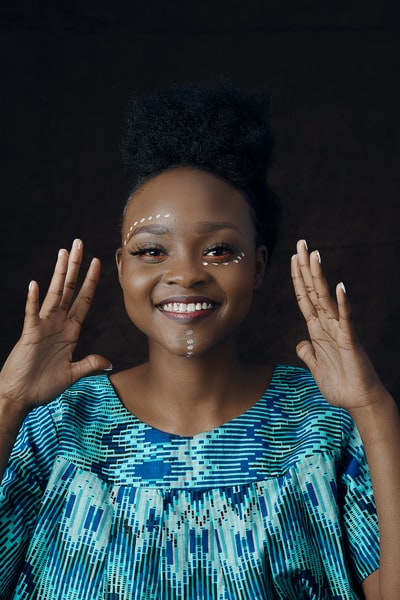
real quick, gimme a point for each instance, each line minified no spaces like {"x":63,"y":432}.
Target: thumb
{"x":305,"y":352}
{"x":89,"y":365}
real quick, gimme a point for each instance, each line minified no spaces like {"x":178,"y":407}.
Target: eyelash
{"x":226,"y":251}
{"x":148,"y":251}
{"x":222,"y":252}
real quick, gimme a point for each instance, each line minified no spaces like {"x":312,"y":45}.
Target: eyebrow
{"x":210,"y":226}
{"x":201,"y":227}
{"x":150,"y":228}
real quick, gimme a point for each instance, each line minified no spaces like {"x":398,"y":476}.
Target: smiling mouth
{"x":183,"y":307}
{"x":187,"y":311}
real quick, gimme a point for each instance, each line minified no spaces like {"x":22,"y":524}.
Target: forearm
{"x":379,"y":427}
{"x":10,"y":424}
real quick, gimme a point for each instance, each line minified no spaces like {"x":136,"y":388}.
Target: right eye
{"x":149,"y":253}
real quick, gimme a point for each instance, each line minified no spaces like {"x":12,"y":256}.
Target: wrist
{"x":377,"y":419}
{"x":12,"y":414}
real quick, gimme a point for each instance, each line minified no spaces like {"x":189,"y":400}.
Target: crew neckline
{"x":201,"y":434}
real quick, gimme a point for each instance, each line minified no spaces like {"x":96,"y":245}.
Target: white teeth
{"x":181,"y":307}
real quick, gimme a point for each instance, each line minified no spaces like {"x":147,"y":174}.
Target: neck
{"x":194,"y":378}
{"x":190,"y":395}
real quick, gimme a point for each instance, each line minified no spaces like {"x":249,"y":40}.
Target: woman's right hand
{"x":40,"y":366}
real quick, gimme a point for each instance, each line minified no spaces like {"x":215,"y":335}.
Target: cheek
{"x":137,"y":285}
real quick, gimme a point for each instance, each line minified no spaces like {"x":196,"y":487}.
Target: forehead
{"x":189,"y":192}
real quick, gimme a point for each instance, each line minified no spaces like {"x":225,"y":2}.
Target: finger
{"x":344,"y":309}
{"x":305,"y":351}
{"x":56,"y":288}
{"x":74,"y":265}
{"x":324,"y":301}
{"x":84,"y":299}
{"x":32,"y":306}
{"x":305,"y":269}
{"x":89,"y":365}
{"x":306,"y":306}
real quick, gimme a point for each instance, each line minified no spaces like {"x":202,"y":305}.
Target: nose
{"x":185,"y":271}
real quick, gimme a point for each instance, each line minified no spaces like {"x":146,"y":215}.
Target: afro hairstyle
{"x":219,"y":129}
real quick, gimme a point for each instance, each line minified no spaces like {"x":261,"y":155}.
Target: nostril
{"x":185,"y":273}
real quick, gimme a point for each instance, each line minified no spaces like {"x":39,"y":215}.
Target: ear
{"x":118,"y":260}
{"x":260,"y":264}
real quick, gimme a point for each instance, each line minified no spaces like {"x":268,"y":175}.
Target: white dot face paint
{"x":237,"y":260}
{"x":189,"y":342}
{"x":143,"y":220}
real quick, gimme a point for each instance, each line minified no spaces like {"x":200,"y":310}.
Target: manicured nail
{"x":110,"y":368}
{"x":305,"y":243}
{"x":343,"y":287}
{"x":317,"y":254}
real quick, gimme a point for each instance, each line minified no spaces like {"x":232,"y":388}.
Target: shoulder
{"x":297,"y":401}
{"x":86,"y":400}
{"x":297,"y":389}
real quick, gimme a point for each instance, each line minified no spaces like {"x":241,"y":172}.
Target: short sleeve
{"x":360,"y":521}
{"x":21,"y":491}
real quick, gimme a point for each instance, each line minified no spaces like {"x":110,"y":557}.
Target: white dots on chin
{"x":189,"y":342}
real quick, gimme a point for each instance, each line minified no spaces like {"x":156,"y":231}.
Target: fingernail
{"x":110,"y":368}
{"x":343,"y":287}
{"x":305,"y":243}
{"x":317,"y":254}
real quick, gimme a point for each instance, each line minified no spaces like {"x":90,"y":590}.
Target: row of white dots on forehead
{"x":142,"y":220}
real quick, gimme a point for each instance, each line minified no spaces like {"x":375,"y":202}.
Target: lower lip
{"x":188,"y":317}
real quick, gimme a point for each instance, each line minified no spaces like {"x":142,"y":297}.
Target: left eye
{"x":220,"y":253}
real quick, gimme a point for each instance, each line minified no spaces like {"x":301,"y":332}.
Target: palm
{"x":40,"y":365}
{"x":338,"y":363}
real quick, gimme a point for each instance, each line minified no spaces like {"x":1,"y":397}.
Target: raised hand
{"x":333,"y":354}
{"x":40,"y":365}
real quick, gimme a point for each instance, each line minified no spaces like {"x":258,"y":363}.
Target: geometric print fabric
{"x":276,"y":503}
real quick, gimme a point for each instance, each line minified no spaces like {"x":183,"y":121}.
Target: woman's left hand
{"x":338,"y":363}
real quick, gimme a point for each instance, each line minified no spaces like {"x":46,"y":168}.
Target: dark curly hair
{"x":219,"y":129}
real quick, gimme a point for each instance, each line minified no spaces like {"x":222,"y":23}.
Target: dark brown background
{"x":332,"y":69}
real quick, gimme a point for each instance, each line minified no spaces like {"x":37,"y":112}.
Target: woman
{"x":196,"y":474}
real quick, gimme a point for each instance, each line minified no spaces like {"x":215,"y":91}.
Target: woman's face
{"x":188,"y":265}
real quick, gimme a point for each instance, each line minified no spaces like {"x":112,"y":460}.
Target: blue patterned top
{"x":275,"y":504}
